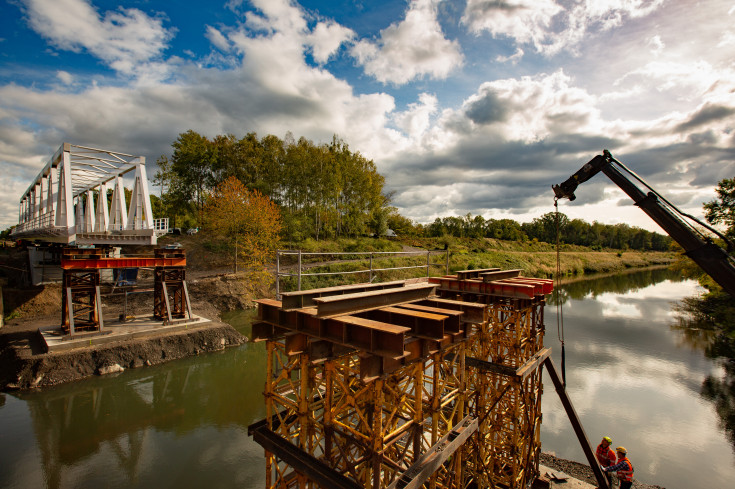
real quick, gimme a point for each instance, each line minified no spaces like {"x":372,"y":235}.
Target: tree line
{"x":323,"y":190}
{"x":544,"y":228}
{"x":327,"y":191}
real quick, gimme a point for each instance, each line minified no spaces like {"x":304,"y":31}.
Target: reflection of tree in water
{"x":75,"y":421}
{"x":700,"y":328}
{"x":619,"y":283}
{"x":722,"y":394}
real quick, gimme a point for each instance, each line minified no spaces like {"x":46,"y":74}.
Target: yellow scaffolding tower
{"x":459,"y":407}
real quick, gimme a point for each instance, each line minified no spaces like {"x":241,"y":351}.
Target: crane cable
{"x":559,"y":311}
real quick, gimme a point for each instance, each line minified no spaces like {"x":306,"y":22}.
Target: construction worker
{"x":624,"y":468}
{"x":605,"y":456}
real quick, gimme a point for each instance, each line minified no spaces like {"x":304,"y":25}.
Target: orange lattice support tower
{"x":397,"y":385}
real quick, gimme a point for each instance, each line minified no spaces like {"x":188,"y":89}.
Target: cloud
{"x":326,"y":39}
{"x":268,"y":87}
{"x":121,"y":38}
{"x":65,"y":77}
{"x":550,"y":26}
{"x":514,"y":58}
{"x":413,"y":48}
{"x":706,"y":115}
{"x":656,"y":44}
{"x":489,"y":141}
{"x":217,"y":38}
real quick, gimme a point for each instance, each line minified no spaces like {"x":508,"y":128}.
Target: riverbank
{"x":581,"y":472}
{"x":25,"y":364}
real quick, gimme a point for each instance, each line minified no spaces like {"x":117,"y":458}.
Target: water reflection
{"x":718,"y":389}
{"x":632,"y":377}
{"x":183,"y":421}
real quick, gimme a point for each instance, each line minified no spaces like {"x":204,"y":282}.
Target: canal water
{"x":631,"y":373}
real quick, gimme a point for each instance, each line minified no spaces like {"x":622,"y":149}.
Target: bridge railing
{"x":370,"y":271}
{"x":44,"y":221}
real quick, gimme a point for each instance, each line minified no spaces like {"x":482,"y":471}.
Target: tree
{"x":249,"y":220}
{"x":722,"y":209}
{"x":193,"y":163}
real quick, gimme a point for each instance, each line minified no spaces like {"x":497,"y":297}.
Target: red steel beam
{"x":511,"y":287}
{"x":142,"y":262}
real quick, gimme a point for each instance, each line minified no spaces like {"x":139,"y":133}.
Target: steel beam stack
{"x":371,"y":386}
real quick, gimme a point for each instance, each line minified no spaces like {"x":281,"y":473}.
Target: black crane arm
{"x":715,"y":261}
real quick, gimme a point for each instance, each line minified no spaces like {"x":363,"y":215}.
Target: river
{"x":630,"y":374}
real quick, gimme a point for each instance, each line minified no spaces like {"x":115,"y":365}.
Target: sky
{"x":465,"y":106}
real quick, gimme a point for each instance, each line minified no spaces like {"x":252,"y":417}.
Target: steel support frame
{"x":506,"y":398}
{"x":371,"y":431}
{"x":169,"y":299}
{"x":80,"y":302}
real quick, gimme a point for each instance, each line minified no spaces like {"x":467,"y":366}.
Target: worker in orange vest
{"x":624,"y":468}
{"x":605,"y":456}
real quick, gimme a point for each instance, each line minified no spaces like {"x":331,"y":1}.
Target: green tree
{"x":193,"y":163}
{"x":722,"y":209}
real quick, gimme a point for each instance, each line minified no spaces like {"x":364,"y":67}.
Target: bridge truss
{"x":68,"y":202}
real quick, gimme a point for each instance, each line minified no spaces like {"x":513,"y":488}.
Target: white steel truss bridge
{"x":68,"y":202}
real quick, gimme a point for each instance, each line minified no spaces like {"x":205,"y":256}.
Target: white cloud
{"x":65,"y":77}
{"x":417,"y":118}
{"x":490,"y":143}
{"x":514,"y":58}
{"x":656,"y":44}
{"x":549,"y":26}
{"x":326,"y":38}
{"x":270,"y":89}
{"x":410,"y":49}
{"x":122,"y":38}
{"x":217,"y":38}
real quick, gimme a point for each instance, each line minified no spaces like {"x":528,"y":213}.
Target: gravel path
{"x":581,"y":471}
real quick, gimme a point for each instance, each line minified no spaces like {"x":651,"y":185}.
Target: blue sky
{"x":466,"y":106}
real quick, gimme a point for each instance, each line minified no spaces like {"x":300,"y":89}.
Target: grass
{"x":536,"y":259}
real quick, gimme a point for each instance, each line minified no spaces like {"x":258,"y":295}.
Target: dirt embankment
{"x":582,"y":472}
{"x":24,"y":363}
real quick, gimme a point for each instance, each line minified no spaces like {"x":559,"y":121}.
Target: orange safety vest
{"x":603,"y":456}
{"x":626,"y":475}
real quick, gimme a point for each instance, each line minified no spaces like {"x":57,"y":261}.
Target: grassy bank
{"x":536,"y":259}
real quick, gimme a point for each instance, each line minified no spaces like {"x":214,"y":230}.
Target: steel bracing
{"x":69,"y":201}
{"x":458,"y":405}
{"x":81,"y":305}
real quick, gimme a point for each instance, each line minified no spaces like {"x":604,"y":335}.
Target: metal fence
{"x":299,"y":267}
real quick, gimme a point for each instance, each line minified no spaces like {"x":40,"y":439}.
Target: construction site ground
{"x":25,"y":364}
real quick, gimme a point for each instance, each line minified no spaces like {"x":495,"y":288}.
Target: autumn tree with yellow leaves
{"x":248,"y":220}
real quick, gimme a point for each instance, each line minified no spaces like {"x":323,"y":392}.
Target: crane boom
{"x":715,"y":261}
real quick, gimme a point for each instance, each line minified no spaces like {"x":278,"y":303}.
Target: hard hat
{"x":607,"y":439}
{"x":622,"y":450}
